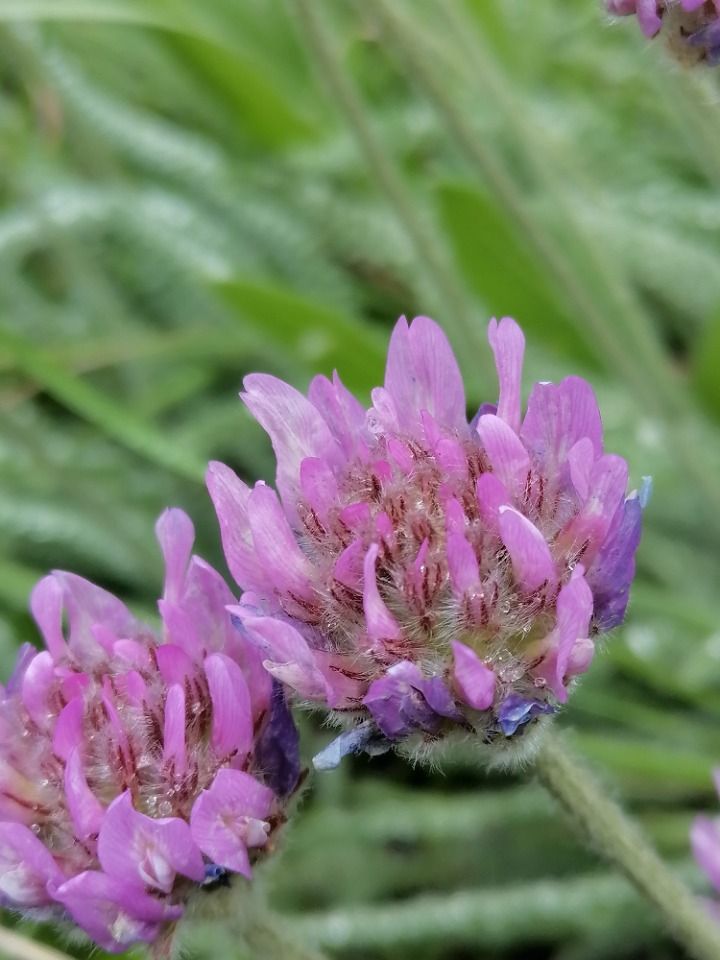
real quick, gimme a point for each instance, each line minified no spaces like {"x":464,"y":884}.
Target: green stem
{"x":623,"y":844}
{"x":382,"y":166}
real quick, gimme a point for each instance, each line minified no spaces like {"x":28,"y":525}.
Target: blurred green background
{"x":193,"y":191}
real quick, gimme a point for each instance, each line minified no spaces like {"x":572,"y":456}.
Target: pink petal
{"x":68,"y":733}
{"x":400,"y":452}
{"x":558,"y":415}
{"x":144,"y":851}
{"x":455,"y":519}
{"x":344,"y":415}
{"x":491,"y":496}
{"x":87,"y":604}
{"x":509,"y":458}
{"x":607,"y":484}
{"x":462,"y":565}
{"x":287,"y":653}
{"x":46,"y":604}
{"x":230,"y":497}
{"x":229,"y":817}
{"x":581,"y":458}
{"x":85,"y":809}
{"x":174,"y":749}
{"x":508,"y":345}
{"x":574,"y":610}
{"x":174,"y":664}
{"x":176,"y":535}
{"x":232,"y":728}
{"x":705,"y":842}
{"x":111,"y":913}
{"x":319,"y":486}
{"x":422,"y":374}
{"x":348,"y":567}
{"x":381,"y":625}
{"x":38,"y":682}
{"x":475,"y":681}
{"x":26,"y":866}
{"x":275,"y":546}
{"x":451,"y":457}
{"x":532,"y":562}
{"x":296,"y":428}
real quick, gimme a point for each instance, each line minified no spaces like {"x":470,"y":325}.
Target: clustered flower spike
{"x":420,"y":574}
{"x":691,"y":28}
{"x":137,"y":769}
{"x":705,"y":842}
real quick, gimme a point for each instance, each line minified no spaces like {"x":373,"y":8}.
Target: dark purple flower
{"x":419,"y":570}
{"x":133,"y":763}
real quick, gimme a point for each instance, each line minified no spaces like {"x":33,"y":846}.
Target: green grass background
{"x":191,"y":191}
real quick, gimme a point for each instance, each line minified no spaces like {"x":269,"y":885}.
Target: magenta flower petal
{"x":558,"y":415}
{"x":574,"y":609}
{"x":705,"y":842}
{"x":381,"y":625}
{"x":114,"y":915}
{"x":422,"y":374}
{"x":491,"y":496}
{"x":276,"y":547}
{"x":474,"y":680}
{"x":344,"y":415}
{"x":508,"y":344}
{"x":229,"y":818}
{"x":85,"y":809}
{"x":232,"y":729}
{"x":296,"y":428}
{"x":606,"y":490}
{"x":319,"y":486}
{"x":176,"y":534}
{"x":46,"y":605}
{"x":231,"y":497}
{"x":174,"y":744}
{"x":508,"y":456}
{"x":68,"y":732}
{"x":146,"y":852}
{"x":532,"y":561}
{"x":26,"y":867}
{"x":462,"y":565}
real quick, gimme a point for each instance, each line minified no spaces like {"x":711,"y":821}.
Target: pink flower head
{"x":138,"y":768}
{"x":691,"y":27}
{"x":421,"y":574}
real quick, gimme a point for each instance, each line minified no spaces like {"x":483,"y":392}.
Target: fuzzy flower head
{"x":420,"y":574}
{"x":138,"y":769}
{"x":691,"y":28}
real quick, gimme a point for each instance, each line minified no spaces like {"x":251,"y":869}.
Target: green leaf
{"x":499,"y":267}
{"x":317,"y":334}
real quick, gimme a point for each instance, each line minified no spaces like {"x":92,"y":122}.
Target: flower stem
{"x":620,"y":840}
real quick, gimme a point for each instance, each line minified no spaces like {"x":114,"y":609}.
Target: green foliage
{"x":188,"y":194}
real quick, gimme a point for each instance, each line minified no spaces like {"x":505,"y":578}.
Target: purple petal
{"x":174,"y":748}
{"x":26,"y":867}
{"x":691,"y":4}
{"x":46,"y":604}
{"x":319,"y":486}
{"x":532,"y":562}
{"x":462,"y":565}
{"x":491,"y":496}
{"x":705,"y":843}
{"x":112,"y":914}
{"x":508,"y":345}
{"x":508,"y":456}
{"x":614,"y":566}
{"x":558,"y":415}
{"x":516,"y":712}
{"x":176,"y":535}
{"x":295,"y":427}
{"x":440,"y":699}
{"x":403,"y":701}
{"x":473,"y":679}
{"x":381,"y":625}
{"x":589,"y":528}
{"x":37,"y":683}
{"x":232,"y":727}
{"x":230,"y":497}
{"x":141,"y":851}
{"x":68,"y":732}
{"x":85,"y":809}
{"x":422,"y":374}
{"x":364,"y":738}
{"x":229,"y":817}
{"x":289,"y":657}
{"x":25,"y":656}
{"x":344,"y":415}
{"x":581,"y":458}
{"x":86,"y":605}
{"x":275,"y":546}
{"x":574,"y":609}
{"x":277,"y":754}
